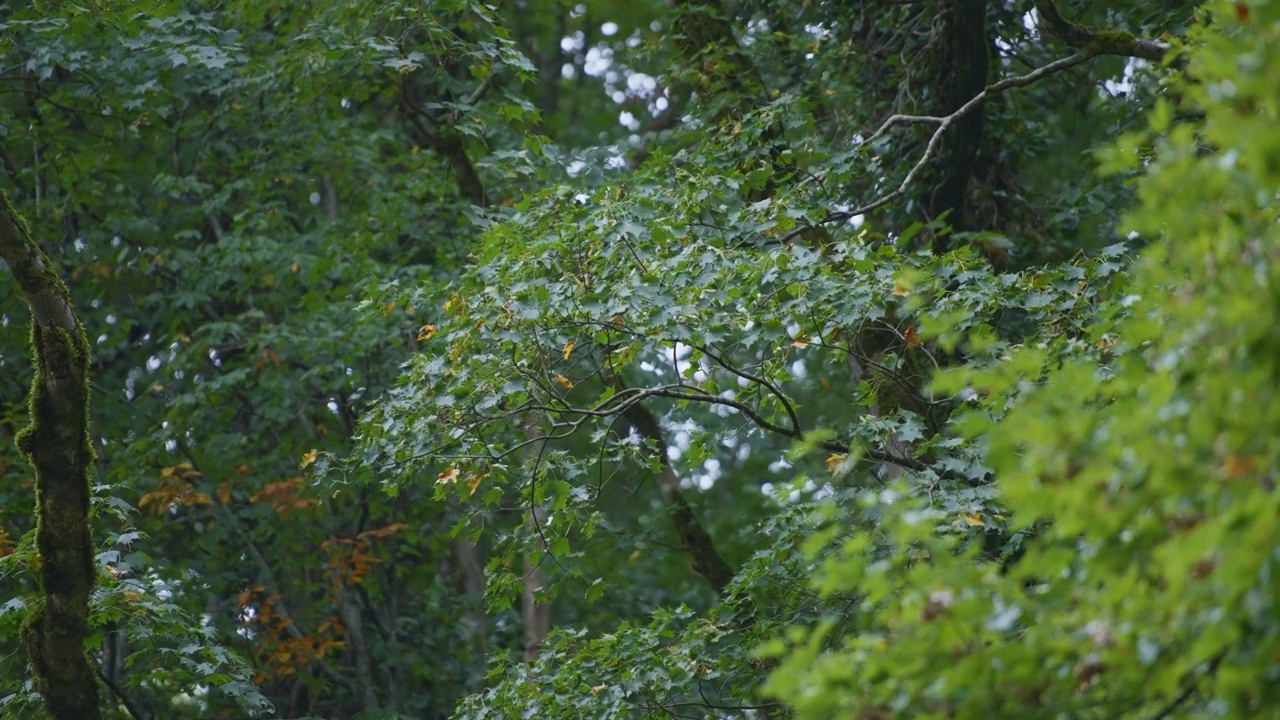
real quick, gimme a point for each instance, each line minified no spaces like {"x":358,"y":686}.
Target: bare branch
{"x":943,"y":122}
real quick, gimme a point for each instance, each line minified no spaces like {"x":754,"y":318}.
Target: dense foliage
{"x":653,"y":359}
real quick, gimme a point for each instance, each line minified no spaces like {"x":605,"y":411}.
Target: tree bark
{"x":349,"y":610}
{"x":694,"y":538}
{"x":963,"y":64}
{"x":56,"y":442}
{"x":537,"y":612}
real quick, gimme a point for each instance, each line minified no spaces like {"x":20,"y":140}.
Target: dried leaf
{"x":309,"y":457}
{"x":913,"y":340}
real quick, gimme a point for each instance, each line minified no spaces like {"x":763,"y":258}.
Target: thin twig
{"x":943,"y":122}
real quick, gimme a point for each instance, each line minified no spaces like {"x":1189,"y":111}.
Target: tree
{"x":1141,"y":477}
{"x":708,"y":358}
{"x":57,"y":443}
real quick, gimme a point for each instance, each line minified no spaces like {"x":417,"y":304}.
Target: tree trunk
{"x":56,"y":442}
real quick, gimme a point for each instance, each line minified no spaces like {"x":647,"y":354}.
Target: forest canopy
{"x":654,"y":359}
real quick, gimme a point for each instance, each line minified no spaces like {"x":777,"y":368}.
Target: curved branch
{"x":759,"y":380}
{"x":944,"y":122}
{"x":1099,"y":41}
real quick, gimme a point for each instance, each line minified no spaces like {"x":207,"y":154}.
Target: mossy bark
{"x":1099,"y":40}
{"x":56,"y":442}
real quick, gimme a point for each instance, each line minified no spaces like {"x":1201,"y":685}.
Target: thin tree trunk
{"x":353,"y":623}
{"x":474,"y":620}
{"x":56,"y":442}
{"x":694,"y":538}
{"x":537,"y":613}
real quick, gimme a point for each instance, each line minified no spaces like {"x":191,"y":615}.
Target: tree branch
{"x":1100,"y":41}
{"x":1192,"y":687}
{"x":943,"y":122}
{"x":448,"y":143}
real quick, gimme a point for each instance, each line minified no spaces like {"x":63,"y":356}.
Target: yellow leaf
{"x":801,"y":342}
{"x":566,"y":382}
{"x":388,"y":308}
{"x":309,"y":457}
{"x":599,"y":689}
{"x":448,"y":476}
{"x":426,"y":333}
{"x":568,"y":349}
{"x":835,"y":461}
{"x":974,"y":520}
{"x":474,"y":482}
{"x":195,"y":499}
{"x":901,"y":289}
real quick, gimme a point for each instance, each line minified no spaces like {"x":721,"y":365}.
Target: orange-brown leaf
{"x":913,"y":340}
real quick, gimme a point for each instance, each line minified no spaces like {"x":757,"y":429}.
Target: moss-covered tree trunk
{"x":57,"y":443}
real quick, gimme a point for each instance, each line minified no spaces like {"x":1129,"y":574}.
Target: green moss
{"x":1110,"y":42}
{"x":56,"y":442}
